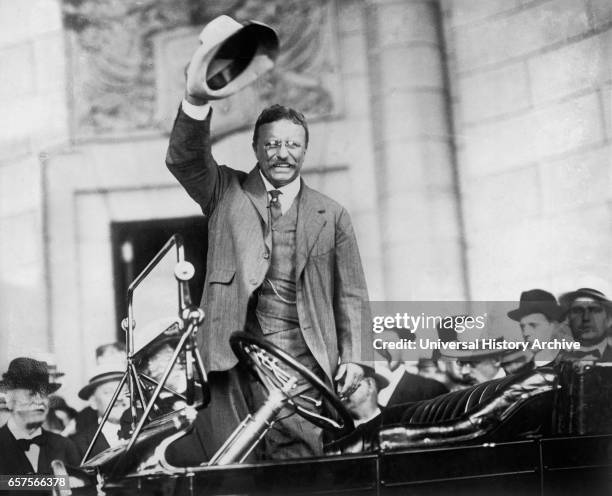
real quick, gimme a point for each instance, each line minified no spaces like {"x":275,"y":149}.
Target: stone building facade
{"x":469,"y":139}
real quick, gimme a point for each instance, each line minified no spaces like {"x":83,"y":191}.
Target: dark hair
{"x":278,"y":112}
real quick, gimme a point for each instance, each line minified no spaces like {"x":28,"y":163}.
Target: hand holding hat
{"x":230,"y":57}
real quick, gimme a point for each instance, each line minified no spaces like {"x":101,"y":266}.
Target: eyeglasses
{"x":276,"y":145}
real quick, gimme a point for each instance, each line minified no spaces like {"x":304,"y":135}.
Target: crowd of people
{"x":37,"y":425}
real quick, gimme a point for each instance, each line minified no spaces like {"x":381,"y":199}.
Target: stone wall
{"x":531,"y":84}
{"x":34,"y":121}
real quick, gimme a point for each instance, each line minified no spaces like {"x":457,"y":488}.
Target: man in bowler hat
{"x":26,"y":447}
{"x":538,"y":316}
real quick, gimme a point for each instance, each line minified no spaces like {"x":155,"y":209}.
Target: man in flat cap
{"x":25,"y":446}
{"x":539,"y":317}
{"x":589,"y":314}
{"x":282,"y":263}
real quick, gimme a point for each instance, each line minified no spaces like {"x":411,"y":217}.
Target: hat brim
{"x":48,"y":388}
{"x":381,"y":381}
{"x":553,"y":312}
{"x":566,"y":299}
{"x":231,"y":56}
{"x":468,"y":354}
{"x":86,"y":392}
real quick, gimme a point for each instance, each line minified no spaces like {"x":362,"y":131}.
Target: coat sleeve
{"x":189,"y":159}
{"x":351,"y":304}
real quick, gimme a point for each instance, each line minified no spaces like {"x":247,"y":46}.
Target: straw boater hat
{"x":104,"y":373}
{"x":568,"y":298}
{"x":27,"y":373}
{"x":232,"y":55}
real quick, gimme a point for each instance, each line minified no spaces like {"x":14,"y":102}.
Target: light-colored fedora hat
{"x":231,"y":56}
{"x":107,"y":372}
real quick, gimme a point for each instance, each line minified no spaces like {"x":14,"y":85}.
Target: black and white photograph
{"x":277,"y":247}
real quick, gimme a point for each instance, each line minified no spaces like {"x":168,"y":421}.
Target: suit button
{"x":253,"y":281}
{"x":266,"y":255}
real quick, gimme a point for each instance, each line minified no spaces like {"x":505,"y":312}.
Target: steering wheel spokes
{"x":276,"y":369}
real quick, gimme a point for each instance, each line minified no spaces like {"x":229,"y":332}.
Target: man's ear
{"x":92,"y":402}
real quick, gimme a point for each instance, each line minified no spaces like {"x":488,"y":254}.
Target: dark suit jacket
{"x":332,"y":298}
{"x":82,"y":439}
{"x":412,"y":387}
{"x":14,"y":461}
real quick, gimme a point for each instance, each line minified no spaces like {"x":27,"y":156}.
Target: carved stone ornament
{"x":128,"y":58}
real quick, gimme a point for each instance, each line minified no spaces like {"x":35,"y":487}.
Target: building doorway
{"x":135,"y":243}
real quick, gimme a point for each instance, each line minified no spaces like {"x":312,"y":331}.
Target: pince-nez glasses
{"x":275,"y":145}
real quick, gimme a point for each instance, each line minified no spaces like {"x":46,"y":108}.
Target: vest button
{"x":266,"y":255}
{"x":253,"y":281}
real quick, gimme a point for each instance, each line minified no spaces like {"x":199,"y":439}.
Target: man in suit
{"x":538,"y":316}
{"x":362,"y":403}
{"x":98,"y":392}
{"x":26,"y":447}
{"x":589,"y":315}
{"x":404,"y":386}
{"x":282,"y":262}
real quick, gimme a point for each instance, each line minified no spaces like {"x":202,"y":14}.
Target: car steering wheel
{"x":263,"y":360}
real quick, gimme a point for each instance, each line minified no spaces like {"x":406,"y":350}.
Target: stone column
{"x":420,"y":218}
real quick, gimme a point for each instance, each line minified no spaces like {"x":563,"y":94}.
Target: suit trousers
{"x":235,"y":393}
{"x":292,"y":436}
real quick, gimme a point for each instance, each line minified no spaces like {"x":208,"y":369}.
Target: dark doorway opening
{"x":136,"y":243}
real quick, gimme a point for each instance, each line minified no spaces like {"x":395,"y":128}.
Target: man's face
{"x":537,"y":326}
{"x":101,"y":398}
{"x":362,"y":402}
{"x":588,"y":321}
{"x":280,"y":151}
{"x":479,"y":371}
{"x":28,"y":408}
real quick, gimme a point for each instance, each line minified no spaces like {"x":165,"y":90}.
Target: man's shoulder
{"x":322,"y":199}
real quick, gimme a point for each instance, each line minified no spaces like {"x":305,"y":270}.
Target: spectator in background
{"x":404,"y":387}
{"x":477,"y":366}
{"x":99,"y":392}
{"x":26,"y":447}
{"x":447,"y":363}
{"x":539,"y":316}
{"x":362,"y":403}
{"x":589,"y":314}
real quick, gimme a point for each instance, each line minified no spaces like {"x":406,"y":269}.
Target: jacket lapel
{"x":11,"y":449}
{"x":256,"y":191}
{"x":309,"y":225}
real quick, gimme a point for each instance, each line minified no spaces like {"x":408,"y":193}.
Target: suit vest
{"x":276,"y":305}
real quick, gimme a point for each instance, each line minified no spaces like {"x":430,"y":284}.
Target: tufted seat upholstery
{"x":453,"y":405}
{"x":469,"y":413}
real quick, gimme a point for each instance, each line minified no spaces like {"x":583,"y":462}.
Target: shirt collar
{"x":20,"y":433}
{"x":289,"y":191}
{"x":601,"y":346}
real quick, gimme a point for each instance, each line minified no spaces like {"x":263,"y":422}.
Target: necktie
{"x":25,"y":444}
{"x":275,"y":205}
